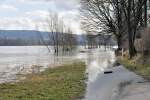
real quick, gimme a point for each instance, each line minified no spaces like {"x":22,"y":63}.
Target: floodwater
{"x":23,"y":59}
{"x":100,"y":86}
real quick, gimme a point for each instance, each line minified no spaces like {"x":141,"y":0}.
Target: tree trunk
{"x":132,"y":50}
{"x":145,"y":14}
{"x":119,"y":43}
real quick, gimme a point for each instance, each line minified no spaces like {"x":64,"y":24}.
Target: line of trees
{"x":121,"y":18}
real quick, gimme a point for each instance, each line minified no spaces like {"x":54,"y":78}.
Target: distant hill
{"x":21,"y":34}
{"x":29,"y":37}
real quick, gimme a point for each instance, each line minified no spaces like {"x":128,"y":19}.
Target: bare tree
{"x":99,"y":17}
{"x":118,"y":17}
{"x":53,"y":24}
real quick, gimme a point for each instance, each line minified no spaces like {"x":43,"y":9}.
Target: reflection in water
{"x":97,"y":62}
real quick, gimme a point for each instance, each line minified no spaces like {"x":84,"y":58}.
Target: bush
{"x":146,"y":39}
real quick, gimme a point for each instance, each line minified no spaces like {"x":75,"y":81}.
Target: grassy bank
{"x":135,"y":66}
{"x":61,"y":83}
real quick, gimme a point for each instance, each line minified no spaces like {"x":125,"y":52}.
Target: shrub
{"x":146,"y":39}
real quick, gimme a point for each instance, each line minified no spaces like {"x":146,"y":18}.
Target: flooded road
{"x":102,"y":86}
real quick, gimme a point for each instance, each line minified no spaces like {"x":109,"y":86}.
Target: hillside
{"x":30,"y":37}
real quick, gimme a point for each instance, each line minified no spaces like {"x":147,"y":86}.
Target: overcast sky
{"x":27,"y":14}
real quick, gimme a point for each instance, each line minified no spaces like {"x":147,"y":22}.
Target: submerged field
{"x":65,"y":82}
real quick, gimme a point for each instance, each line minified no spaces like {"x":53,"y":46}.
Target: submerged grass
{"x":62,"y":83}
{"x":140,"y":69}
